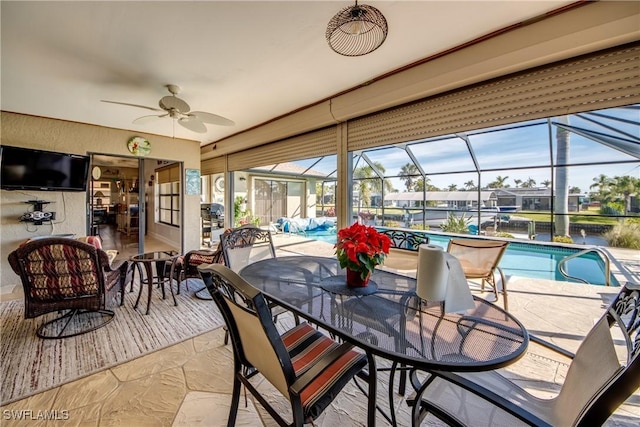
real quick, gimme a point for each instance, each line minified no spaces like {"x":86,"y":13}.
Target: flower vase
{"x":354,"y":280}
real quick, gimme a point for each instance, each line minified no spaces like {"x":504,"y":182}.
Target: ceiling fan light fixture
{"x":357,"y":30}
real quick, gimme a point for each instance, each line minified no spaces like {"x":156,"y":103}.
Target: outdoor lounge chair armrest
{"x":551,"y":346}
{"x":117,"y":265}
{"x":494,"y":398}
{"x":305,"y":379}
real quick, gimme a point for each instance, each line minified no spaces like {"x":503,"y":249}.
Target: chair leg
{"x":235,"y":400}
{"x":493,"y":284}
{"x":504,"y":289}
{"x":105,"y":316}
{"x":181,"y":279}
{"x":203,"y":294}
{"x":226,"y":335}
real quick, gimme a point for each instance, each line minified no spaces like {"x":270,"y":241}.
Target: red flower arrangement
{"x":360,"y":248}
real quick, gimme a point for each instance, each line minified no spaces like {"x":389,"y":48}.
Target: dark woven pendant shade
{"x":357,"y":30}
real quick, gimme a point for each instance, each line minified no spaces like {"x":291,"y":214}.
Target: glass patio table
{"x":388,"y":320}
{"x":159,"y":258}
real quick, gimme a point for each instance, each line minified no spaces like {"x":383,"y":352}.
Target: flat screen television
{"x":28,"y":169}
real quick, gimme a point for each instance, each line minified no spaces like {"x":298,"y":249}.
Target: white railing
{"x":600,"y":252}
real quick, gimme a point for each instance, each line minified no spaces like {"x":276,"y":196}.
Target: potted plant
{"x":359,"y":249}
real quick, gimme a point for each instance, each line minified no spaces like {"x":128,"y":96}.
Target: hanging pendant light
{"x":357,"y":30}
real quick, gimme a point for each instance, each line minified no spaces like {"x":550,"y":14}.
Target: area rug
{"x":31,"y":365}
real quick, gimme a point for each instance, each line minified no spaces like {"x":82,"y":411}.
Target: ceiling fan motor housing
{"x":171,"y":102}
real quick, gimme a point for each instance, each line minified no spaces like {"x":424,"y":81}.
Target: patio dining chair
{"x":603,"y":373}
{"x":70,"y":277}
{"x":479,"y":259}
{"x":307,"y":367}
{"x":403,"y":254}
{"x":245,"y":245}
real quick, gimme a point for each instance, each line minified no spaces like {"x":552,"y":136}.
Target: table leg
{"x":160,"y":266}
{"x":140,"y":280}
{"x":148,"y":281}
{"x":373,"y":380}
{"x":147,"y":266}
{"x":171,"y":273}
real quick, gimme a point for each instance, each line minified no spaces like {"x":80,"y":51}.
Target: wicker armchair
{"x":65,"y":274}
{"x":187,"y":268}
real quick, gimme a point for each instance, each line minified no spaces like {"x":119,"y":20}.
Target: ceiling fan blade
{"x":212,"y":118}
{"x":148,"y":119}
{"x":193,"y":124}
{"x":132,"y":105}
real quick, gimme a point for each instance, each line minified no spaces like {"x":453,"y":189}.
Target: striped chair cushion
{"x":92,"y":240}
{"x":197,"y":259}
{"x":307,"y":346}
{"x":73,"y":269}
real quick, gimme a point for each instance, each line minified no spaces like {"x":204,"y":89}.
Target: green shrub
{"x":612,"y":209}
{"x":503,"y":234}
{"x":453,"y":224}
{"x":419,"y":226}
{"x":624,"y":236}
{"x":562,"y":239}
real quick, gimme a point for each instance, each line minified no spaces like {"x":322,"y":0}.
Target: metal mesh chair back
{"x":479,"y":258}
{"x":245,"y":245}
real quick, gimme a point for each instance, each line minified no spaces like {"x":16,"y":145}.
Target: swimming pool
{"x":523,"y":259}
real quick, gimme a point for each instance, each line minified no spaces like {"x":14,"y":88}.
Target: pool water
{"x":524,"y":259}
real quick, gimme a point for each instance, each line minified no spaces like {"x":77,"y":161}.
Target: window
{"x":169,"y":195}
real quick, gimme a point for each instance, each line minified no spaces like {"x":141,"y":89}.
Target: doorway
{"x":123,"y":201}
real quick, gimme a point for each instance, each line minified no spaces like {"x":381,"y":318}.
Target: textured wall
{"x":70,"y":207}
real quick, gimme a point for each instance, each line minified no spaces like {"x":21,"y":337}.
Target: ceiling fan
{"x":176,"y":108}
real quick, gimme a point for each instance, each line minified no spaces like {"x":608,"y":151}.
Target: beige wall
{"x":70,"y":207}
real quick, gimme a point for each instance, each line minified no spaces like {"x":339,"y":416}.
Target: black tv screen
{"x":28,"y":169}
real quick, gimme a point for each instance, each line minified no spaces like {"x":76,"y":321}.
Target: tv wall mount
{"x":37,"y":216}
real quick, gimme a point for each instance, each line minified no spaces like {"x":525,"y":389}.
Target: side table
{"x":159,"y":258}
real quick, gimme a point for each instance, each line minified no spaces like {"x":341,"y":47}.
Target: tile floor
{"x":189,"y":384}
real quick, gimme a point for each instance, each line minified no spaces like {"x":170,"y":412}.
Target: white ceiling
{"x":247,"y":61}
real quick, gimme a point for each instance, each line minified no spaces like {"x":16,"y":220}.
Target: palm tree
{"x":420,"y":185}
{"x":546,"y":183}
{"x":499,"y":182}
{"x":368,"y":182}
{"x":562,"y":179}
{"x":529,"y":183}
{"x":625,"y":187}
{"x":517,"y":182}
{"x":470,"y":185}
{"x":407,"y":174}
{"x":452,"y":187}
{"x":601,"y":184}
